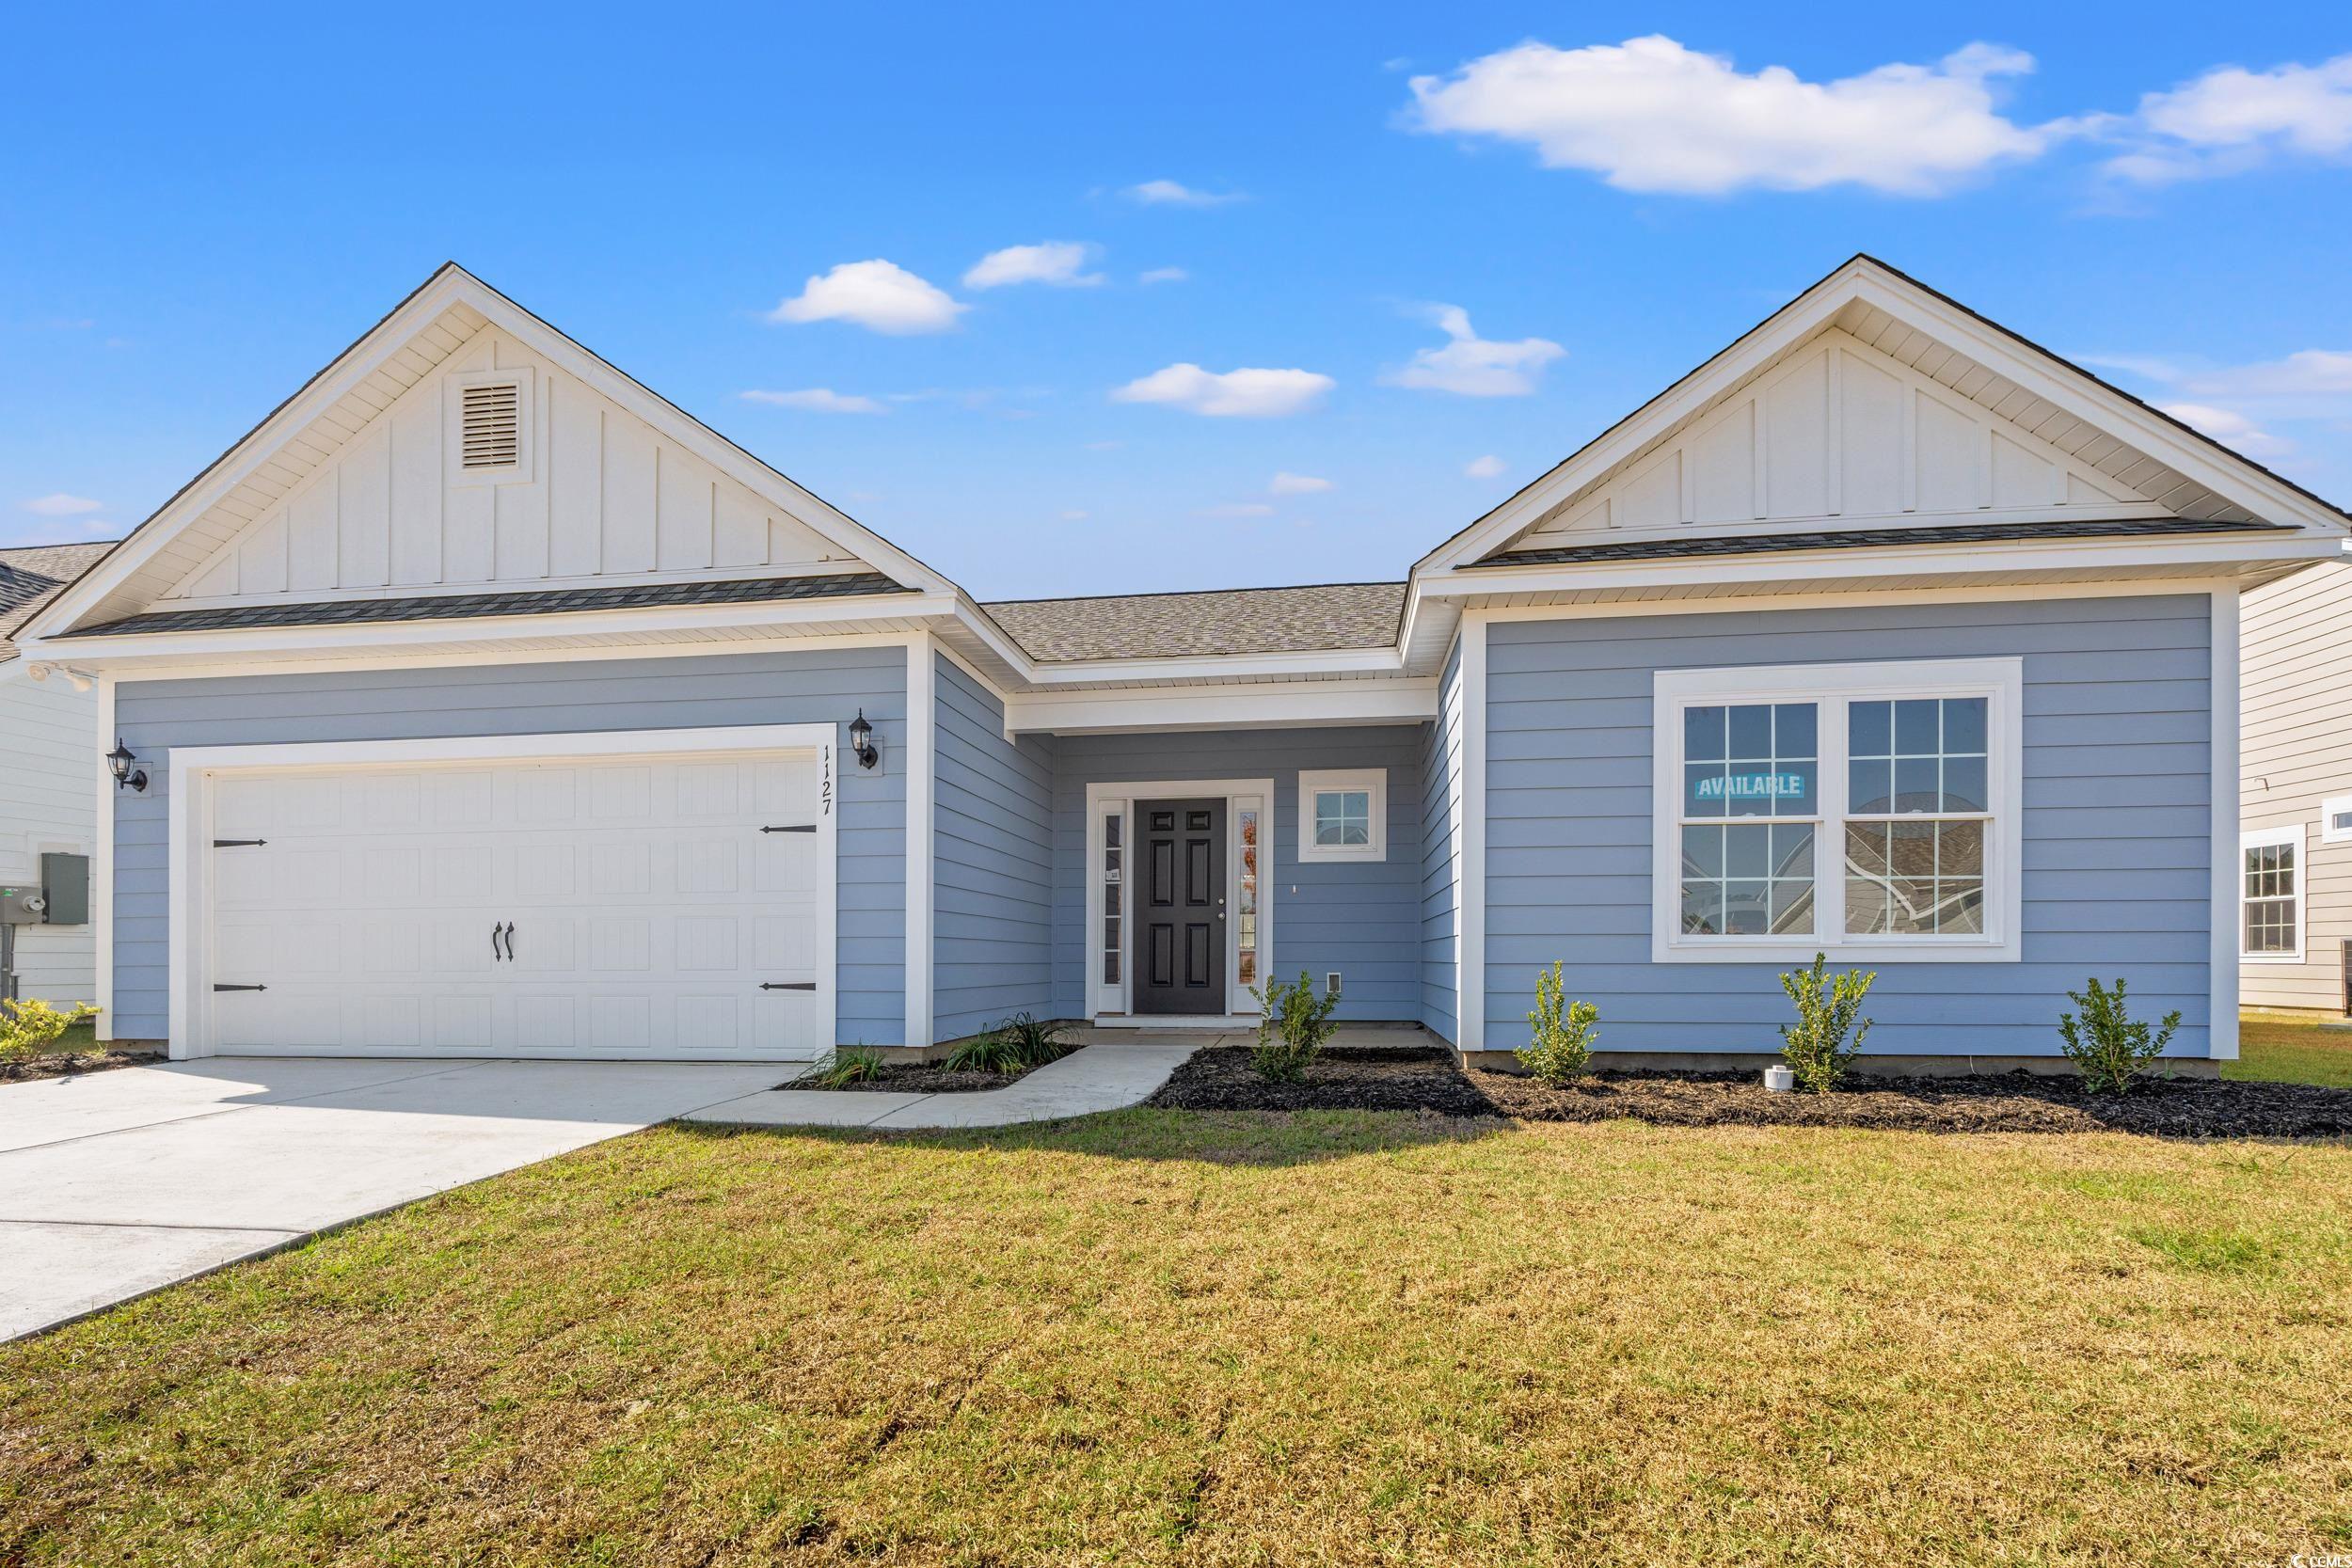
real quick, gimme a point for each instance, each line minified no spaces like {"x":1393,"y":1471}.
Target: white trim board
{"x":1238,"y":1002}
{"x":922,"y":764}
{"x":2223,"y":699}
{"x":191,"y":768}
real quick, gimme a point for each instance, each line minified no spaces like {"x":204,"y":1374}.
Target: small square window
{"x":1344,"y":815}
{"x":2335,"y":820}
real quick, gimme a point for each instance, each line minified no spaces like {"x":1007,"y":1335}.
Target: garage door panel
{"x":640,"y":908}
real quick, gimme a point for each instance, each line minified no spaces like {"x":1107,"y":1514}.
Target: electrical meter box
{"x":20,"y":905}
{"x":65,"y":883}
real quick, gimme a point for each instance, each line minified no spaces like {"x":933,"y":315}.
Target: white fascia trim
{"x":2136,"y":587}
{"x":2222,"y":1004}
{"x":1237,"y":995}
{"x":1470,"y":959}
{"x":188,"y":798}
{"x":842,"y":567}
{"x":102,"y":868}
{"x":2000,"y":680}
{"x":459,"y":659}
{"x":922,"y":789}
{"x":259,"y":642}
{"x":1350,"y":661}
{"x":2216,"y":551}
{"x":1241,"y":705}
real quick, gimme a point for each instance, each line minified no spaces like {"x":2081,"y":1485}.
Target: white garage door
{"x":617,"y":908}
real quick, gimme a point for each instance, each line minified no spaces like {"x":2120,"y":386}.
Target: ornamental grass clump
{"x":1828,"y":1007}
{"x":2106,"y":1047}
{"x":1292,"y":1024}
{"x":1560,"y":1042}
{"x":849,"y":1064}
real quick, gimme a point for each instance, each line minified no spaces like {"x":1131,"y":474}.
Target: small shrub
{"x":1828,"y":1006}
{"x":31,"y":1026}
{"x":1560,"y":1045}
{"x":990,"y":1053}
{"x":2103,"y":1042}
{"x":1292,"y":1027}
{"x":849,"y":1064}
{"x":1034,"y":1042}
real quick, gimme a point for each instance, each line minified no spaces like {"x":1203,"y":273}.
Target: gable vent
{"x":491,"y":417}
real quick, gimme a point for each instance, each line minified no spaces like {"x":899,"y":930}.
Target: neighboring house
{"x":489,"y":704}
{"x":49,"y":782}
{"x":2295,"y":916}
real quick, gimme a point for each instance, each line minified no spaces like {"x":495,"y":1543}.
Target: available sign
{"x":1751,"y":787}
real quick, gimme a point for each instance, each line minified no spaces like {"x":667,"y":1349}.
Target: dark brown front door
{"x":1180,"y":950}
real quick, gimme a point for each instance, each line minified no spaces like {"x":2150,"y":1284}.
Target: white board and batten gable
{"x":499,"y":468}
{"x":1871,"y":403}
{"x":463,"y":445}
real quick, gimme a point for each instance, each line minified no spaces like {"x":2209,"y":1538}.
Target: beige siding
{"x":2297,"y":728}
{"x":49,"y":752}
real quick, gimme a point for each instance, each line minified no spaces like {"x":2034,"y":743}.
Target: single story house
{"x":50,"y":784}
{"x":2295,"y":891}
{"x":480,"y":701}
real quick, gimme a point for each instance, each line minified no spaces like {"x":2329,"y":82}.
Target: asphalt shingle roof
{"x":540,"y":601}
{"x":31,"y":575}
{"x":1848,"y":539}
{"x":1325,"y":618}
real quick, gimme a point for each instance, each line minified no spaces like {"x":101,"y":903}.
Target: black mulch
{"x":920,"y":1078}
{"x":24,"y":1070}
{"x":1427,"y":1080}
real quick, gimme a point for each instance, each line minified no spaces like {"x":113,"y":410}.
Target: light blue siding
{"x":993,"y":863}
{"x":2117,"y":828}
{"x":769,"y":688}
{"x":1364,"y":920}
{"x":1441,"y":856}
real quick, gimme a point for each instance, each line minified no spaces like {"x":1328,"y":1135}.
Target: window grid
{"x":1741,"y":762}
{"x":2270,"y":896}
{"x":1918,"y":789}
{"x":1343,"y":818}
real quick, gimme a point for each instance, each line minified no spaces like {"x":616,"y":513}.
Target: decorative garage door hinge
{"x":787,"y":985}
{"x":792,"y":828}
{"x":239,"y":843}
{"x":217,"y":986}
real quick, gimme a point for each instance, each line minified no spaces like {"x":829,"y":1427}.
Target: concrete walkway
{"x":1118,"y":1071}
{"x":117,"y":1184}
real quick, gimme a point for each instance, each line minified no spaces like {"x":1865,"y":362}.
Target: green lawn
{"x":2287,"y":1050}
{"x":1157,"y":1336}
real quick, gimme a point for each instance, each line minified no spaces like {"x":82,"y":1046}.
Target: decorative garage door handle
{"x":497,"y":931}
{"x":787,"y":985}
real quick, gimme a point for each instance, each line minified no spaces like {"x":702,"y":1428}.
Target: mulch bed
{"x":1416,"y":1079}
{"x":920,"y":1078}
{"x":25,"y":1069}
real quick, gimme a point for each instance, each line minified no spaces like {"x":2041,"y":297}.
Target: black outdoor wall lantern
{"x":861,"y":741}
{"x":118,"y":763}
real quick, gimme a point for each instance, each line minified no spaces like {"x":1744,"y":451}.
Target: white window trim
{"x":1999,"y":681}
{"x":1113,"y":1004}
{"x":1373,"y":782}
{"x":522,"y":470}
{"x":2329,"y":832}
{"x":2290,"y":834}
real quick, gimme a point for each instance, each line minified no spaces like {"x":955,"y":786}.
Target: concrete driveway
{"x":115,"y":1183}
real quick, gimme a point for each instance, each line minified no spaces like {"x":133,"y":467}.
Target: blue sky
{"x":197,"y":212}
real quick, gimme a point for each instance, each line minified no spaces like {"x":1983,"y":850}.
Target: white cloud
{"x":2231,"y":119}
{"x":1167,"y":193}
{"x":1164,"y":274}
{"x":2230,"y":428}
{"x":2313,"y":383}
{"x":879,"y":294}
{"x":1472,"y":367}
{"x":1483,"y":468}
{"x":1297,"y":484}
{"x":1249,"y":394}
{"x":1237,"y":509}
{"x":1055,"y":262}
{"x":816,"y":400}
{"x":60,"y":504}
{"x":1650,"y":115}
